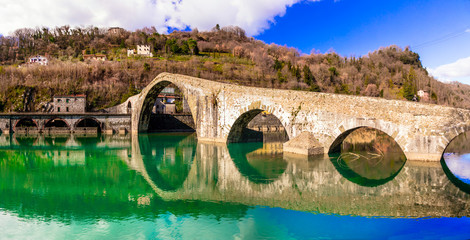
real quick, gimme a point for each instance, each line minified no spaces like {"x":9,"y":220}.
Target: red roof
{"x":71,"y":96}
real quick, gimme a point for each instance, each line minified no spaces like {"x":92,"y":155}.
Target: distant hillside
{"x":225,"y":54}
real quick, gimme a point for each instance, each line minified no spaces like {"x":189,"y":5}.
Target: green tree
{"x":146,"y":67}
{"x":409,"y":85}
{"x":333,"y":71}
{"x":192,"y":44}
{"x":281,"y":77}
{"x":309,"y":79}
{"x":295,"y":70}
{"x":278,"y":65}
{"x":131,"y":91}
{"x":184,"y":47}
{"x":434,"y":97}
{"x":172,"y":46}
{"x":123,"y":44}
{"x":314,"y":88}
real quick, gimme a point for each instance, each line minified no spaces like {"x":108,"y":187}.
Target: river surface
{"x":170,"y":186}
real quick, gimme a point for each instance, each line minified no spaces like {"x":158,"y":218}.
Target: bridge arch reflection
{"x":167,"y":158}
{"x":367,"y":156}
{"x":462,"y":181}
{"x":455,"y":161}
{"x":26,"y":140}
{"x":313,"y":185}
{"x":258,"y":162}
{"x":56,"y":140}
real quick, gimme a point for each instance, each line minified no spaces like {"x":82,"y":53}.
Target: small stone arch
{"x":89,"y":122}
{"x":26,"y":122}
{"x":144,"y":104}
{"x":129,"y":107}
{"x":57,"y":123}
{"x":238,"y":128}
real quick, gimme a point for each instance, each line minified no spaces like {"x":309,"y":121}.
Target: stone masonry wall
{"x":69,"y":104}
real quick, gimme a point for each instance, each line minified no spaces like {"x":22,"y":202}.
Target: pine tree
{"x":409,"y":86}
{"x":309,"y":79}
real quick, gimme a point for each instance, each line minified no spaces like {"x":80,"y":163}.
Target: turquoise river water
{"x":169,"y":186}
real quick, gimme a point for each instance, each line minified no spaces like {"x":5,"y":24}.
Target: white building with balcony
{"x":144,"y":50}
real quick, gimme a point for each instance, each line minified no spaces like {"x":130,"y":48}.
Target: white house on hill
{"x":38,"y":60}
{"x":143,"y":50}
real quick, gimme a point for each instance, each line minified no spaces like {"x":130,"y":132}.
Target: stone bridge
{"x":221,"y":111}
{"x":64,"y":122}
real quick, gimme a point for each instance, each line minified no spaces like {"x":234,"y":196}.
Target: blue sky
{"x":438,"y":30}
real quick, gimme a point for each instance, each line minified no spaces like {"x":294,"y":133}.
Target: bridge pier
{"x":304,"y":144}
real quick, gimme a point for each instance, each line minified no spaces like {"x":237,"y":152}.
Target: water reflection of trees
{"x":36,"y":179}
{"x":86,"y":182}
{"x":369,"y":157}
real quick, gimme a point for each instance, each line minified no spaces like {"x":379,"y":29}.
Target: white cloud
{"x":459,"y":165}
{"x":455,"y":71}
{"x":252,"y":15}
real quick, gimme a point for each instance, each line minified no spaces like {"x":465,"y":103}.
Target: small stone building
{"x":116,"y":31}
{"x":165,"y":104}
{"x":69,"y":103}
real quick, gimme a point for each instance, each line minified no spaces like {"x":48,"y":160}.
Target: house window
{"x":58,"y":100}
{"x":58,"y":109}
{"x":67,"y":108}
{"x":67,"y":100}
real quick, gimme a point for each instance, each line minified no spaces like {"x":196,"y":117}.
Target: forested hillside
{"x":223,"y":54}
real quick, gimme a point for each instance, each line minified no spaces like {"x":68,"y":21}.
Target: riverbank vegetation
{"x":223,"y":54}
